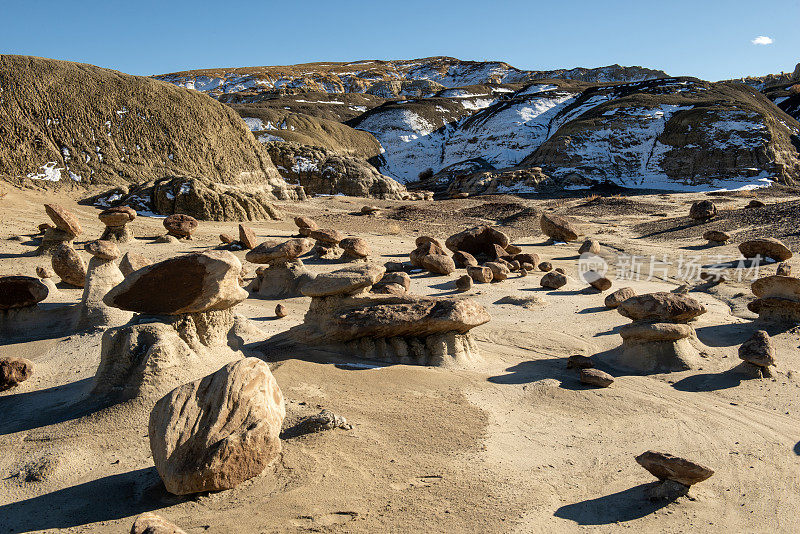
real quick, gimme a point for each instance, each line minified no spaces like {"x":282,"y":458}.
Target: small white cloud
{"x":762,"y":40}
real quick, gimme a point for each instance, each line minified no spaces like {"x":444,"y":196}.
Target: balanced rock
{"x":553,"y":280}
{"x":558,"y":228}
{"x":327,"y":236}
{"x":116,"y":220}
{"x":345,"y":281}
{"x":478,"y":241}
{"x":767,"y":247}
{"x":596,"y":377}
{"x":191,"y":283}
{"x":21,"y":292}
{"x":180,"y":226}
{"x":14,"y":371}
{"x":132,"y":261}
{"x":150,"y":523}
{"x":214,"y":433}
{"x":305,"y":226}
{"x":665,"y":466}
{"x":702,"y":210}
{"x":269,"y":253}
{"x":64,"y":219}
{"x":52,"y":239}
{"x":716,"y":237}
{"x":778,"y":299}
{"x":658,"y":339}
{"x":618,"y":297}
{"x":227,"y":239}
{"x":101,"y":276}
{"x":247,"y":237}
{"x":69,"y":266}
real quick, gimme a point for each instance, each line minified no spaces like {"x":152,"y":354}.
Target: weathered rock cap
{"x":105,"y":250}
{"x":646,"y":332}
{"x":665,"y":466}
{"x":558,"y":228}
{"x":117,"y":216}
{"x":192,"y":283}
{"x":68,"y":265}
{"x":306,"y":222}
{"x":343,"y":281}
{"x":21,"y":292}
{"x":478,"y":240}
{"x":777,"y":286}
{"x":267,"y":253}
{"x":180,"y":225}
{"x":767,"y":247}
{"x":619,"y":296}
{"x":214,"y":433}
{"x":661,"y":306}
{"x":327,"y":236}
{"x":64,"y":219}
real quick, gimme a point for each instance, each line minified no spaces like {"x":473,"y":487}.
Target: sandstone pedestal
{"x":778,"y":299}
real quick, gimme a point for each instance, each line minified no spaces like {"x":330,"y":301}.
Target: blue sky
{"x":705,"y":38}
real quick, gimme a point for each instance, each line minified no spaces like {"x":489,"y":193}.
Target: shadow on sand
{"x":105,"y":499}
{"x":622,"y":506}
{"x":534,"y":370}
{"x":34,"y":409}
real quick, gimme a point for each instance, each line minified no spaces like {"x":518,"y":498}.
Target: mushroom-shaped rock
{"x":65,"y":220}
{"x":758,"y":350}
{"x":247,"y":237}
{"x":716,"y":236}
{"x":21,"y":292}
{"x":100,"y":248}
{"x":191,"y":283}
{"x":327,"y":236}
{"x":702,"y":210}
{"x":14,"y":371}
{"x":665,"y":466}
{"x":779,"y":299}
{"x":180,"y":225}
{"x":558,"y":228}
{"x":117,"y":216}
{"x":132,"y":261}
{"x":343,"y":281}
{"x":150,"y":523}
{"x":268,"y":253}
{"x":355,"y":248}
{"x":767,"y":247}
{"x":618,"y":297}
{"x":478,"y":241}
{"x":214,"y":433}
{"x":553,"y":280}
{"x":69,"y":266}
{"x":661,"y":306}
{"x":438,"y":264}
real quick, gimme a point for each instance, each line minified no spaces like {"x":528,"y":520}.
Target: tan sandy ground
{"x":516,"y":445}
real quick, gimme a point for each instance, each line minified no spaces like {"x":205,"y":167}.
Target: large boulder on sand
{"x":21,"y":291}
{"x":767,"y":247}
{"x":478,"y":241}
{"x":180,"y":225}
{"x":69,"y":266}
{"x":13,"y":371}
{"x":214,"y":433}
{"x":758,"y":350}
{"x":184,"y":284}
{"x":558,"y":228}
{"x":702,"y":210}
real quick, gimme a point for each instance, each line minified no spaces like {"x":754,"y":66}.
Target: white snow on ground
{"x":265,"y":138}
{"x":537,"y":88}
{"x":304,"y":165}
{"x":478,"y":103}
{"x":185,"y":188}
{"x":255,"y":124}
{"x":50,"y":172}
{"x":737,"y":129}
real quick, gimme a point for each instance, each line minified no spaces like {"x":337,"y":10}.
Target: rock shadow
{"x":106,"y":499}
{"x":534,"y":370}
{"x":712,"y":381}
{"x":622,"y":506}
{"x":44,"y":407}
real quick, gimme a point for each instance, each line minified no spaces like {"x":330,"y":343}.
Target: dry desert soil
{"x":515,"y":444}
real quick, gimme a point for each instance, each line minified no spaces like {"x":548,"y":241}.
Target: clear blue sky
{"x":709,"y":39}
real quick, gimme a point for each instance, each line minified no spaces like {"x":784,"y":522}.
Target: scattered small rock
{"x":596,"y":377}
{"x":281,"y":311}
